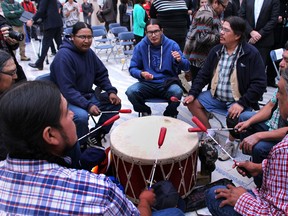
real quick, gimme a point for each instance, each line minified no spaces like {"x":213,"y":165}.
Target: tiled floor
{"x":121,"y":80}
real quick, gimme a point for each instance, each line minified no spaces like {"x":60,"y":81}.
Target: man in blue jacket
{"x":156,"y":63}
{"x":236,"y":76}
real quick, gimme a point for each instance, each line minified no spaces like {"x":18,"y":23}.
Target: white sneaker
{"x":229,"y":148}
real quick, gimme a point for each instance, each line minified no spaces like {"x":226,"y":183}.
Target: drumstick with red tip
{"x":161,"y":138}
{"x":108,"y":122}
{"x":175,"y":99}
{"x":117,"y":111}
{"x":202,"y":127}
{"x":212,"y":129}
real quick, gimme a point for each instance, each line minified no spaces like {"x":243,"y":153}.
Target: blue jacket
{"x":75,"y":73}
{"x":250,"y":75}
{"x":157,"y":60}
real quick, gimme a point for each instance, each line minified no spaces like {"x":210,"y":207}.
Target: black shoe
{"x":34,"y":65}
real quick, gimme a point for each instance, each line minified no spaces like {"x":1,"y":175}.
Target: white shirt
{"x":257,"y":8}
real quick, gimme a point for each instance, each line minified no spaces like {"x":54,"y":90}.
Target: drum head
{"x":137,"y":140}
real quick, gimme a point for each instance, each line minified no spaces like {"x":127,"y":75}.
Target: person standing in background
{"x":108,"y":13}
{"x":172,"y":15}
{"x":30,"y":7}
{"x":70,"y":13}
{"x":87,"y":9}
{"x":261,"y":18}
{"x":52,"y":28}
{"x":124,"y":17}
{"x":12,"y":10}
{"x":140,"y":18}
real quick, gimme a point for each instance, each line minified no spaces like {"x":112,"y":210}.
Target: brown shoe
{"x":25,"y":58}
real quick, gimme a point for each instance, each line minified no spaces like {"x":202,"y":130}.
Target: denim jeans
{"x":261,"y":150}
{"x":213,"y":204}
{"x":81,"y":117}
{"x":168,"y":212}
{"x":138,"y":92}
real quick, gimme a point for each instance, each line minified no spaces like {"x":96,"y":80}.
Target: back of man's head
{"x":25,"y":111}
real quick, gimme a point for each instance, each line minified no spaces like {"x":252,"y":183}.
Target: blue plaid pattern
{"x":272,"y":123}
{"x":224,"y":91}
{"x":36,"y":187}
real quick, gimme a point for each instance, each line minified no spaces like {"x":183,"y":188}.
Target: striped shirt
{"x":272,"y":197}
{"x":164,"y":5}
{"x":36,"y":187}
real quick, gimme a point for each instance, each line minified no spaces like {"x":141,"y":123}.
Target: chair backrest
{"x":44,"y":77}
{"x":126,"y":36}
{"x":68,"y":31}
{"x":97,"y":27}
{"x":112,"y":25}
{"x":117,"y":30}
{"x":276,"y":55}
{"x":99,"y":33}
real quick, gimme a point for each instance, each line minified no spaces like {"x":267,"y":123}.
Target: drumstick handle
{"x":199,"y":124}
{"x":153,"y":173}
{"x":109,"y":121}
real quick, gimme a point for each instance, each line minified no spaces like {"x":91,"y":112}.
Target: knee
{"x":81,"y":117}
{"x":245,"y":116}
{"x":130,"y":91}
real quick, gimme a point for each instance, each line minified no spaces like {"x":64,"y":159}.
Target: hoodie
{"x":75,"y":73}
{"x":157,"y":60}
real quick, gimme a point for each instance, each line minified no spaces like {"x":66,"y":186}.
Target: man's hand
{"x":176,"y":56}
{"x":188,"y":99}
{"x":248,"y":143}
{"x":5,"y":33}
{"x":114,"y":99}
{"x":241,"y":126}
{"x":255,"y":36}
{"x":235,"y":110}
{"x":29,"y":23}
{"x":148,"y":196}
{"x":253,"y":168}
{"x":146,"y":75}
{"x":94,"y":110}
{"x":231,"y":194}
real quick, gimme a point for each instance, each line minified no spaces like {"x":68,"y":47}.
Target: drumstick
{"x":204,"y":129}
{"x":161,"y":138}
{"x":213,"y":129}
{"x":108,"y":122}
{"x":119,"y":111}
{"x":175,"y":99}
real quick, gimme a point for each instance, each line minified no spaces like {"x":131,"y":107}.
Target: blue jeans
{"x":138,"y":92}
{"x":81,"y":117}
{"x":213,"y":204}
{"x":168,"y":212}
{"x":261,"y":150}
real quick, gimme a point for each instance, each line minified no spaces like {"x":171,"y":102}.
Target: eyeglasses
{"x":84,"y":37}
{"x":156,"y":32}
{"x":224,"y":6}
{"x":10,"y":73}
{"x":225,"y":30}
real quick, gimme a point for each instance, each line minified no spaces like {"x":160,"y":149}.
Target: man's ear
{"x":50,"y":135}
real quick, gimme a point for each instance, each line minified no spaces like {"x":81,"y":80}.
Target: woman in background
{"x":140,"y":18}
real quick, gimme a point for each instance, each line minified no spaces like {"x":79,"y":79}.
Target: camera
{"x":14,"y":34}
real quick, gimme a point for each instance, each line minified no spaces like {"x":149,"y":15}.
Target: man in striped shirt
{"x":272,"y":197}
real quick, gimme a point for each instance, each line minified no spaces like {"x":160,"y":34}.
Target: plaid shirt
{"x":272,"y":198}
{"x":224,"y":91}
{"x":273,"y":122}
{"x":36,"y":187}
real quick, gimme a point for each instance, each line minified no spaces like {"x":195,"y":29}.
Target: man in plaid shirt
{"x":38,"y":130}
{"x":272,"y":197}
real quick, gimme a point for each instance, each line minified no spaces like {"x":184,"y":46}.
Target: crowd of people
{"x":220,"y":43}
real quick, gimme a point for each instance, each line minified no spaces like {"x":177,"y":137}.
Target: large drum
{"x":134,"y":145}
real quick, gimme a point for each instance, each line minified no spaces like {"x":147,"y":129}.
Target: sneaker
{"x":229,"y":148}
{"x":25,"y":58}
{"x":92,"y":142}
{"x":209,"y":140}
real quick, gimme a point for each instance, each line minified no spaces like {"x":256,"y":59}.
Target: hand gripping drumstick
{"x":119,"y":111}
{"x":108,"y":122}
{"x":204,"y":129}
{"x":161,"y":138}
{"x":175,"y":99}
